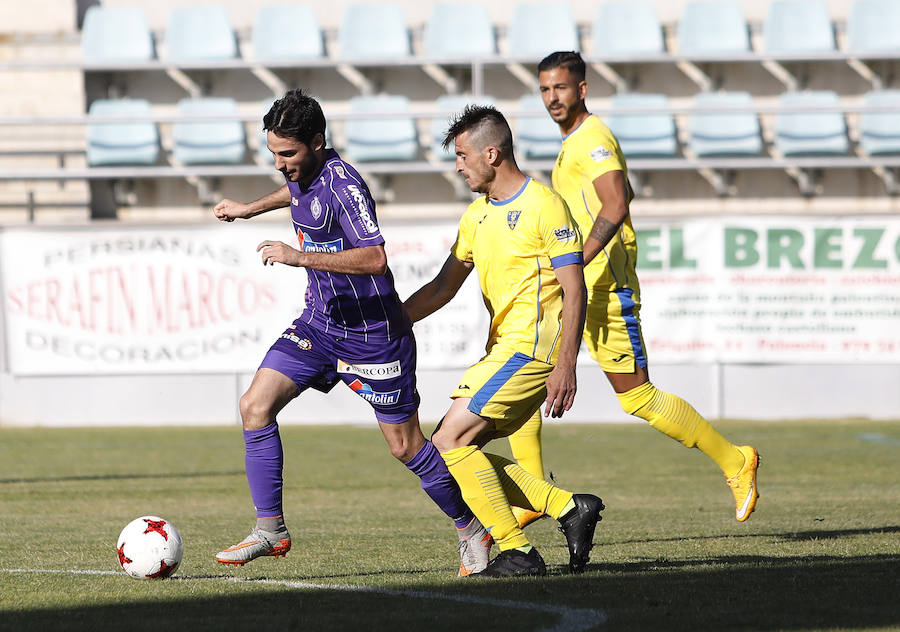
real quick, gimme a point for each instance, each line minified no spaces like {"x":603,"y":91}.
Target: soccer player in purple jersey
{"x":353,"y":329}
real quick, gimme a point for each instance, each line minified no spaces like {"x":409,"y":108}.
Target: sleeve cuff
{"x":567,"y":259}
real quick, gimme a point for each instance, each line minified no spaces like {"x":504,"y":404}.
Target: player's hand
{"x":278,"y":252}
{"x":561,"y":387}
{"x":229,"y":210}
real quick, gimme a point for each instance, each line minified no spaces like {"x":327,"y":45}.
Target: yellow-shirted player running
{"x":523,"y":242}
{"x":591,"y":175}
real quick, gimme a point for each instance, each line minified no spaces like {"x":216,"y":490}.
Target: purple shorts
{"x":382,"y":373}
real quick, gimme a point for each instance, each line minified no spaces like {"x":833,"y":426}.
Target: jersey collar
{"x":508,"y":200}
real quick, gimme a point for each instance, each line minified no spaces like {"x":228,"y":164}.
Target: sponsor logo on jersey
{"x":371,"y":371}
{"x":600,"y":153}
{"x":565,"y":234}
{"x":338,"y":169}
{"x":294,"y":201}
{"x":362,"y":207}
{"x":316,"y":208}
{"x":308,"y":245}
{"x":365,"y":391}
{"x":512,"y":218}
{"x":303,"y":343}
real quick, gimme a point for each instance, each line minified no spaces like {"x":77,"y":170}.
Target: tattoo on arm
{"x":603,"y":230}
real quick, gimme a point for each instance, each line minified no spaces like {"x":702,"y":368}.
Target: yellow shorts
{"x":612,"y":330}
{"x":505,"y":386}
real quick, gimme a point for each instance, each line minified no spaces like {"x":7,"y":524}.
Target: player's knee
{"x":401,"y":449}
{"x":256,"y":413}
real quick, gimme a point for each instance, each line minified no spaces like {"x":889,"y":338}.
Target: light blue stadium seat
{"x":643,"y":134}
{"x":208,"y":142}
{"x":373,"y":31}
{"x":285,"y":32}
{"x":806,"y":133}
{"x":113,"y":34}
{"x":200,"y":33}
{"x":459,"y":29}
{"x":537,"y":136}
{"x":451,"y":103}
{"x":627,"y":27}
{"x":874,"y":25}
{"x":725,"y":133}
{"x":123,"y":143}
{"x":709,"y":27}
{"x":539,"y":28}
{"x":381,"y":138}
{"x":798,"y":26}
{"x":879,"y":132}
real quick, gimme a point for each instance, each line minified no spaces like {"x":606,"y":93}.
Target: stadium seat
{"x":725,"y":133}
{"x":381,"y":138}
{"x":373,"y":31}
{"x":879,"y":132}
{"x":874,"y":25}
{"x":116,"y":34}
{"x":537,"y":135}
{"x":627,"y":27}
{"x":126,"y":143}
{"x":459,"y":29}
{"x":450,"y":103}
{"x":643,"y":134}
{"x":798,"y":26}
{"x":208,"y":142}
{"x":539,"y":28}
{"x":710,"y":27}
{"x":810,"y":132}
{"x":286,"y":32}
{"x":200,"y":33}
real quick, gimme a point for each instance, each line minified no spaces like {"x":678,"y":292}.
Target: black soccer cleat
{"x":514,"y":563}
{"x":578,"y":526}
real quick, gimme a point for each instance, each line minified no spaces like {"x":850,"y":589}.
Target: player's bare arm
{"x":229,"y":210}
{"x":436,"y":293}
{"x":613,"y":192}
{"x":365,"y":260}
{"x":561,"y":383}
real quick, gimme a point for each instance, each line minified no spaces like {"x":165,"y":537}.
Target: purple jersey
{"x":336,"y":212}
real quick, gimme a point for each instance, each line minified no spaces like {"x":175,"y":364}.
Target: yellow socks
{"x":483,"y":492}
{"x":527,"y":491}
{"x":674,"y":417}
{"x":526,"y":446}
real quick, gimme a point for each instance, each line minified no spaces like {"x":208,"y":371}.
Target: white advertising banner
{"x":771,"y":289}
{"x":197,"y":299}
{"x":189,"y":299}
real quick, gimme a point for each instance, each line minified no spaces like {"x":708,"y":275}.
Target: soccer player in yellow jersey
{"x":591,"y":175}
{"x":523,"y":242}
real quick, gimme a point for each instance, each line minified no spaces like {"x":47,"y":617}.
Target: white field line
{"x":570,"y":619}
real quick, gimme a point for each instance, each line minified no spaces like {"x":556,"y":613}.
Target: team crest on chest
{"x":512,"y":218}
{"x":316,"y":208}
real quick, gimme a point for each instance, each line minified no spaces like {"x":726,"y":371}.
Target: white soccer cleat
{"x":257,"y":544}
{"x":474,"y":548}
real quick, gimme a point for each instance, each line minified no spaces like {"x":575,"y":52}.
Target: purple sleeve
{"x":356,"y":213}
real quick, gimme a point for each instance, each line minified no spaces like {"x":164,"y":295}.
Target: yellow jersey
{"x":588,"y":152}
{"x":515,"y":245}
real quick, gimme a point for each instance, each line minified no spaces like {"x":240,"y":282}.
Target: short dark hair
{"x":295,"y":115}
{"x":570,"y":60}
{"x":488,"y":125}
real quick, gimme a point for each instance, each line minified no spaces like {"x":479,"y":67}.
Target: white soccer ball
{"x":149,"y":548}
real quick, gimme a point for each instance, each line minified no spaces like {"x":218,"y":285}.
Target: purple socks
{"x":263,"y":460}
{"x":439,"y":484}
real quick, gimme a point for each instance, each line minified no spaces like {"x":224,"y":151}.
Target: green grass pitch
{"x":370,"y":551}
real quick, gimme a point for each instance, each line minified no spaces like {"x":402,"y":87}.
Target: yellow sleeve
{"x":599,"y":154}
{"x":560,"y":233}
{"x":462,"y":248}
